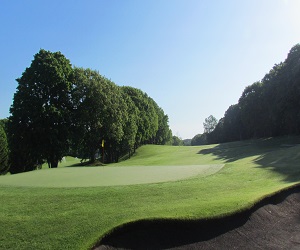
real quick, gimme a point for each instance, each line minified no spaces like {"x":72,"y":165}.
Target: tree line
{"x":62,"y":110}
{"x":4,"y":152}
{"x":267,"y":108}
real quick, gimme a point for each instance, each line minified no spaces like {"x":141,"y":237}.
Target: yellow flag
{"x":102,"y":143}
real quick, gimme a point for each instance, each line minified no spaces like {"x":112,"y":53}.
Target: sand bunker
{"x":273,"y":223}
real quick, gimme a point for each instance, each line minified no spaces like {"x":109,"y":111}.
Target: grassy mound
{"x":75,"y":218}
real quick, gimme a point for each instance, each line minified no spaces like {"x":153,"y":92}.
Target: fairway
{"x":107,"y":176}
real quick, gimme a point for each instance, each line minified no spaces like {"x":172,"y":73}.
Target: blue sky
{"x":194,"y":58}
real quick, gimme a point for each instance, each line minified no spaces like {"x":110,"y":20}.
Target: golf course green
{"x":108,"y":176}
{"x":74,"y":207}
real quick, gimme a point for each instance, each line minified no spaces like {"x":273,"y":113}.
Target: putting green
{"x":107,"y":175}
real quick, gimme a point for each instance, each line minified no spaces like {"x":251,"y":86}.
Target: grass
{"x":66,"y":162}
{"x":107,"y":176}
{"x":75,"y":218}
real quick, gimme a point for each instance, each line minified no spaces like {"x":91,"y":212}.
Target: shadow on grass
{"x":88,"y":164}
{"x":281,"y":155}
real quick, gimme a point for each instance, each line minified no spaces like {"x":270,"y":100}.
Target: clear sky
{"x":193,"y":57}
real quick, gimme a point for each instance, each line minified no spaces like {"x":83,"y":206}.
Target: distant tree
{"x":147,"y":118}
{"x":40,"y":114}
{"x":290,"y":86}
{"x":270,"y":107}
{"x":217,"y":135}
{"x":209,"y":124}
{"x":4,"y":165}
{"x":229,"y":128}
{"x":199,"y":139}
{"x":163,"y":134}
{"x":176,"y":141}
{"x":187,"y":142}
{"x":252,"y":115}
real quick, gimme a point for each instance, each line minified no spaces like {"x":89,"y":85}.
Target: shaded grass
{"x":75,"y":218}
{"x":67,"y":161}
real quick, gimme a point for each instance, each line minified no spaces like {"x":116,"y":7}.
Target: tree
{"x":199,"y":139}
{"x":58,"y":110}
{"x":209,"y":124}
{"x":3,"y":151}
{"x":40,"y":113}
{"x":232,"y":126}
{"x":3,"y":123}
{"x":163,"y":134}
{"x":147,"y":118}
{"x":130,"y":125}
{"x":269,"y":107}
{"x":176,"y":141}
{"x":99,"y":114}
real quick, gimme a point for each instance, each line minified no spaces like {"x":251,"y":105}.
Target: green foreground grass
{"x":75,"y":218}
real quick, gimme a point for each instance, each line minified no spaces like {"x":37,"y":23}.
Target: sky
{"x":193,"y":57}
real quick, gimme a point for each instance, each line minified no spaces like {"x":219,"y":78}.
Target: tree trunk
{"x":92,"y":158}
{"x":54,"y":163}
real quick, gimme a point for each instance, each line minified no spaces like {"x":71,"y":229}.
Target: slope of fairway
{"x":157,"y":155}
{"x":107,"y":176}
{"x":76,"y":218}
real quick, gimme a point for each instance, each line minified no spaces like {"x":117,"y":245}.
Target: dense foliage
{"x":40,"y":114}
{"x":270,"y":107}
{"x":210,"y":124}
{"x":3,"y":149}
{"x":199,"y":139}
{"x":176,"y":141}
{"x":58,"y":110}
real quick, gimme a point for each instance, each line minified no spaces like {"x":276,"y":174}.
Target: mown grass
{"x":75,"y":218}
{"x":107,"y":175}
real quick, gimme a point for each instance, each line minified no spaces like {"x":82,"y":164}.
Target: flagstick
{"x":103,"y":155}
{"x":103,"y":151}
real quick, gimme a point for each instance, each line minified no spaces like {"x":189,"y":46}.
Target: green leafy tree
{"x":232,"y":126}
{"x":251,"y":103}
{"x":199,"y":139}
{"x":99,"y":114}
{"x":163,"y":133}
{"x":4,"y":165}
{"x":269,"y":107}
{"x":176,"y":141}
{"x":3,"y":123}
{"x":130,"y":125}
{"x":147,"y":118}
{"x":209,"y":124}
{"x":40,"y":113}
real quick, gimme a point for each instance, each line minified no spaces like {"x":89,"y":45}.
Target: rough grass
{"x":75,"y":218}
